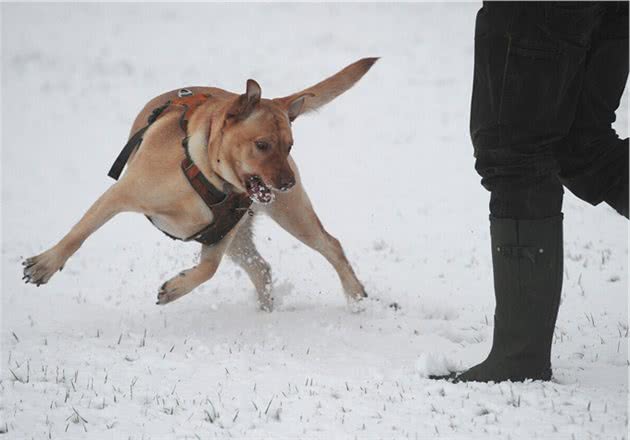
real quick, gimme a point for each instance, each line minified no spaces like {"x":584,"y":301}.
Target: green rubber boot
{"x":527,"y":260}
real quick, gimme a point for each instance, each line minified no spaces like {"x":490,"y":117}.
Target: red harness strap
{"x":190,"y":104}
{"x":227,"y":207}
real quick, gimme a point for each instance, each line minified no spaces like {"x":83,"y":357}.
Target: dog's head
{"x":255,"y":144}
{"x":256,"y":138}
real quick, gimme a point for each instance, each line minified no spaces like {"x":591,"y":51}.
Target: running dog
{"x":196,"y":159}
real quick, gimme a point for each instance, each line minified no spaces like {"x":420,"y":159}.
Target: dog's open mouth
{"x":258,"y":191}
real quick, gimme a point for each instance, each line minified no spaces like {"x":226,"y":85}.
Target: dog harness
{"x":227,"y":207}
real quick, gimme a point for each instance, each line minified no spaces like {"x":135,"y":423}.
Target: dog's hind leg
{"x":189,"y":279}
{"x":40,"y":268}
{"x":244,"y":253}
{"x":293,"y":211}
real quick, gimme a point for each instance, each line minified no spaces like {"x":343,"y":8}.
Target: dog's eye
{"x":262,"y":145}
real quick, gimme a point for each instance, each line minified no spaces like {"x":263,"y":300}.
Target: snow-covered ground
{"x":389,"y":168}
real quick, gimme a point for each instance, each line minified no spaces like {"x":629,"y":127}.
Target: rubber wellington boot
{"x":527,"y":261}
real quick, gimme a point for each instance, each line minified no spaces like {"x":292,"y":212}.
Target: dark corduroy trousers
{"x":547,"y":82}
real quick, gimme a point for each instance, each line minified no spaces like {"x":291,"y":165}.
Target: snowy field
{"x":389,"y":169}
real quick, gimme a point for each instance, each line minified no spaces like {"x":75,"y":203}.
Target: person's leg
{"x":529,"y":64}
{"x":593,"y":160}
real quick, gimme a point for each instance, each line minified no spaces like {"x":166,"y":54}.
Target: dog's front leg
{"x":293,"y":212}
{"x":40,"y":268}
{"x":189,"y":279}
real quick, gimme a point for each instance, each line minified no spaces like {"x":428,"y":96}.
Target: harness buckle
{"x":184,"y":92}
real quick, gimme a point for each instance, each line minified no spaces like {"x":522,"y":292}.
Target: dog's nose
{"x":286,"y":183}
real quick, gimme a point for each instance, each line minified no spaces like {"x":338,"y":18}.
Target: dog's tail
{"x":325,"y":91}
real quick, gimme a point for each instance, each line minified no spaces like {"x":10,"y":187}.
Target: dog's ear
{"x":322,"y":93}
{"x":245,"y":103}
{"x":294,"y":107}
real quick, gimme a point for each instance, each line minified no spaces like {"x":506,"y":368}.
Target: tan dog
{"x":247,"y":149}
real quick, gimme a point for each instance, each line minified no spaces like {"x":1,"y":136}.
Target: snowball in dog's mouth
{"x":258,"y":191}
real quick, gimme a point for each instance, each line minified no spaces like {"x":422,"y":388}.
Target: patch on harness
{"x":184,"y":92}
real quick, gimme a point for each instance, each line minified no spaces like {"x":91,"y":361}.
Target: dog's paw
{"x":355,"y":292}
{"x":356,"y":295}
{"x":266,"y":304}
{"x":358,"y":305}
{"x":39,"y":269}
{"x":172,"y":289}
